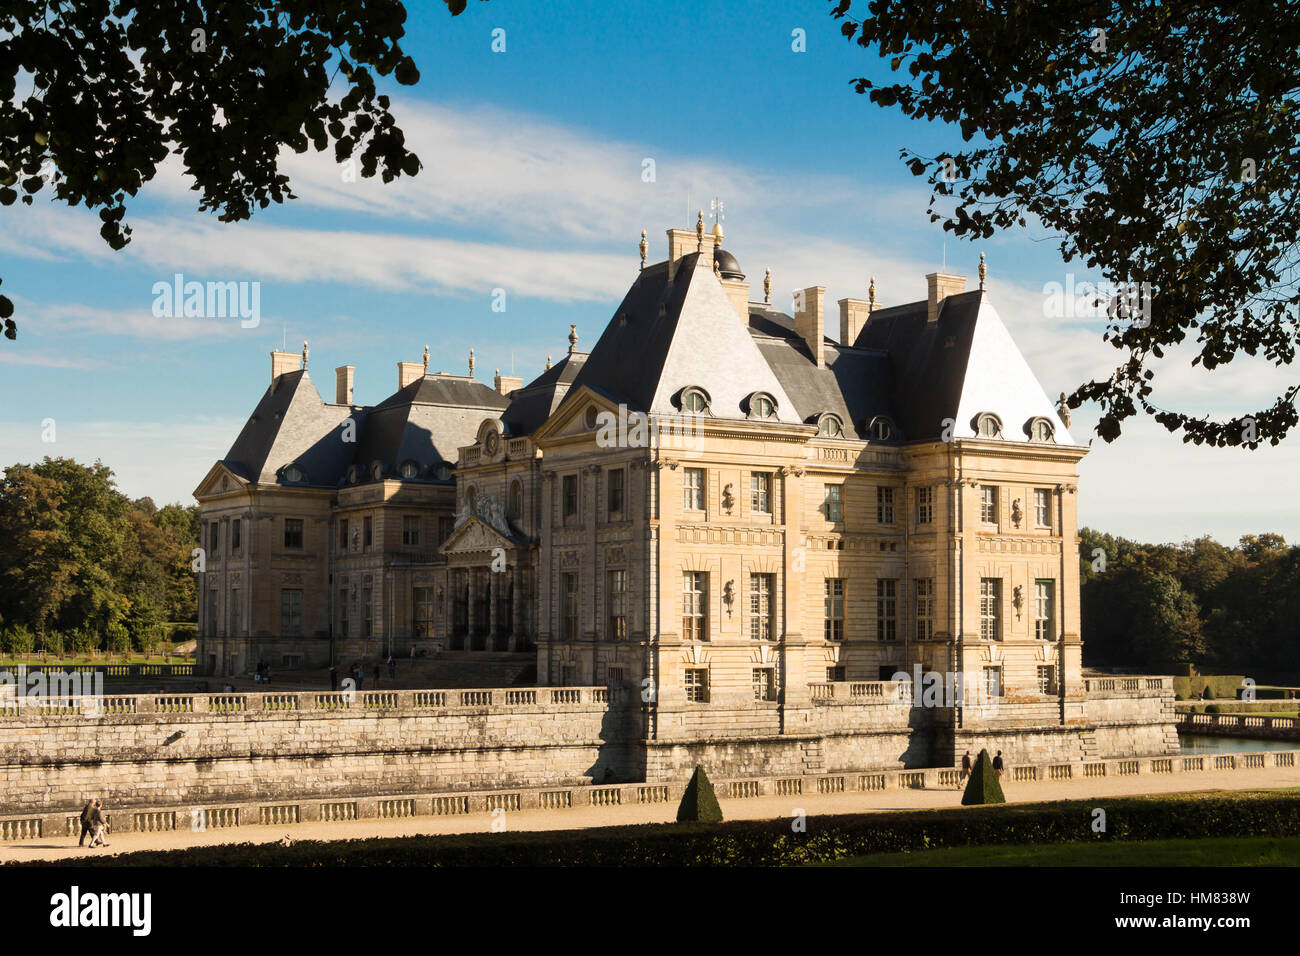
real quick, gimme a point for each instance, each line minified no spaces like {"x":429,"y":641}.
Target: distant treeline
{"x":82,"y":567}
{"x":1199,"y":602}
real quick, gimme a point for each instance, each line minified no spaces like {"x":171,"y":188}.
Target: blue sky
{"x":532,"y":183}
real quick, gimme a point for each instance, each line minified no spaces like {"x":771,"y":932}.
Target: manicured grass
{"x":1210,"y":851}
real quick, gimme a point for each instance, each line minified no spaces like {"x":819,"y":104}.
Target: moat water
{"x":1197,"y":744}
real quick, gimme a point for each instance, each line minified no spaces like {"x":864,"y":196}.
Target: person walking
{"x":997,"y":764}
{"x":86,"y":815}
{"x":100,"y":824}
{"x":965,"y":767}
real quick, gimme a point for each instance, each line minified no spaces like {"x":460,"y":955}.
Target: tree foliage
{"x":95,"y":95}
{"x":1199,"y":602}
{"x":82,"y":567}
{"x":1159,"y":141}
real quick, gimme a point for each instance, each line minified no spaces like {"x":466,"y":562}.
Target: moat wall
{"x":187,"y":750}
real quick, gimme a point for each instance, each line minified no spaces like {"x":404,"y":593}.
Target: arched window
{"x":1040,"y":429}
{"x":471,"y":495}
{"x":882,"y":428}
{"x":293,"y":473}
{"x":377,"y":470}
{"x":516,"y":506}
{"x":354,"y":474}
{"x":988,"y":425}
{"x":695,"y":401}
{"x":410,"y":469}
{"x":442,"y":472}
{"x":762,"y":405}
{"x":830,"y":426}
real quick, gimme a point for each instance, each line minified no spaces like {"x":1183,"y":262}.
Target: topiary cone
{"x":983,"y":786}
{"x":699,"y":803}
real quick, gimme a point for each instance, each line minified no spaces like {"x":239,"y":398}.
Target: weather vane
{"x":716,"y":207}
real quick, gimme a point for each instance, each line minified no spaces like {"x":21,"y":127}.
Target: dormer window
{"x":442,"y":472}
{"x":1040,"y":429}
{"x":988,"y":425}
{"x":695,"y":401}
{"x":377,"y":470}
{"x":354,"y":474}
{"x":410,"y":469}
{"x":882,"y":428}
{"x":762,"y":405}
{"x":293,"y":473}
{"x":830,"y":426}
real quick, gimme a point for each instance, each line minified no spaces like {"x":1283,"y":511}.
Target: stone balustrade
{"x":1137,"y":686}
{"x":240,"y":704}
{"x":861,"y":692}
{"x":64,"y":822}
{"x":1240,"y":725}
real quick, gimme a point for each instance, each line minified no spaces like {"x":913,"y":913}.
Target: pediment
{"x":218,"y":481}
{"x":571,"y":417}
{"x":475,"y":536}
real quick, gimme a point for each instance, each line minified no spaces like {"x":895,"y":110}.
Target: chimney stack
{"x":343,"y":384}
{"x":505,"y":384}
{"x":282,"y":362}
{"x":408,"y":372}
{"x":940,"y":285}
{"x":853,"y":316}
{"x":810,"y":321}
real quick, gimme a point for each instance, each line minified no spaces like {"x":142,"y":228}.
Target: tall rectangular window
{"x":834,"y":593}
{"x":1044,"y":609}
{"x":990,"y":609}
{"x":924,"y":505}
{"x":235,"y":541}
{"x":764,"y":682}
{"x":367,"y":532}
{"x":988,"y":504}
{"x":1042,"y":507}
{"x":367,"y":622}
{"x":343,"y":534}
{"x":343,"y":612}
{"x":993,"y":681}
{"x":924,"y":588}
{"x":410,"y":531}
{"x":616,"y":596}
{"x":214,"y":539}
{"x":446,"y":525}
{"x":569,"y":494}
{"x":695,"y":606}
{"x":760,"y":493}
{"x":696,"y":680}
{"x":234,"y":612}
{"x":834,"y":505}
{"x":569,"y":606}
{"x":835,"y":673}
{"x":291,"y":611}
{"x":614,"y":491}
{"x":693,"y":489}
{"x":422,"y":600}
{"x":760,"y":606}
{"x":886,"y":609}
{"x":1046,"y":679}
{"x":884,"y":505}
{"x":293,"y":532}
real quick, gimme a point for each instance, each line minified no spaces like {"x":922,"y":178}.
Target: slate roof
{"x":533,"y":404}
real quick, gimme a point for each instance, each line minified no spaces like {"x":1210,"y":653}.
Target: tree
{"x":699,"y":803}
{"x":117,"y":87}
{"x":1158,"y":142}
{"x":983,"y":785}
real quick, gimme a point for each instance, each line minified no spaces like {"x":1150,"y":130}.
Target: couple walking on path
{"x":94,"y":823}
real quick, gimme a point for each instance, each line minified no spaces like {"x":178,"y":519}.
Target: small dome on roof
{"x":728,"y":267}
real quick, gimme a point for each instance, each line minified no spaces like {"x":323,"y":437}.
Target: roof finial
{"x":304,"y":355}
{"x":699,"y":232}
{"x":983,"y":271}
{"x":871,"y":296}
{"x":426,"y":360}
{"x":767,"y":287}
{"x":548,"y":363}
{"x":573,"y":338}
{"x":471,"y":363}
{"x":717,"y":269}
{"x":645,"y":247}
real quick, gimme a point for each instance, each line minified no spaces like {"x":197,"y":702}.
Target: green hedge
{"x":771,"y":842}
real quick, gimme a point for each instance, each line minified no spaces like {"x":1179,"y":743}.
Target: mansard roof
{"x":292,"y":425}
{"x":668,"y":335}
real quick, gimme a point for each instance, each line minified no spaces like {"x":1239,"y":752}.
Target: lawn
{"x":1208,"y":851}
